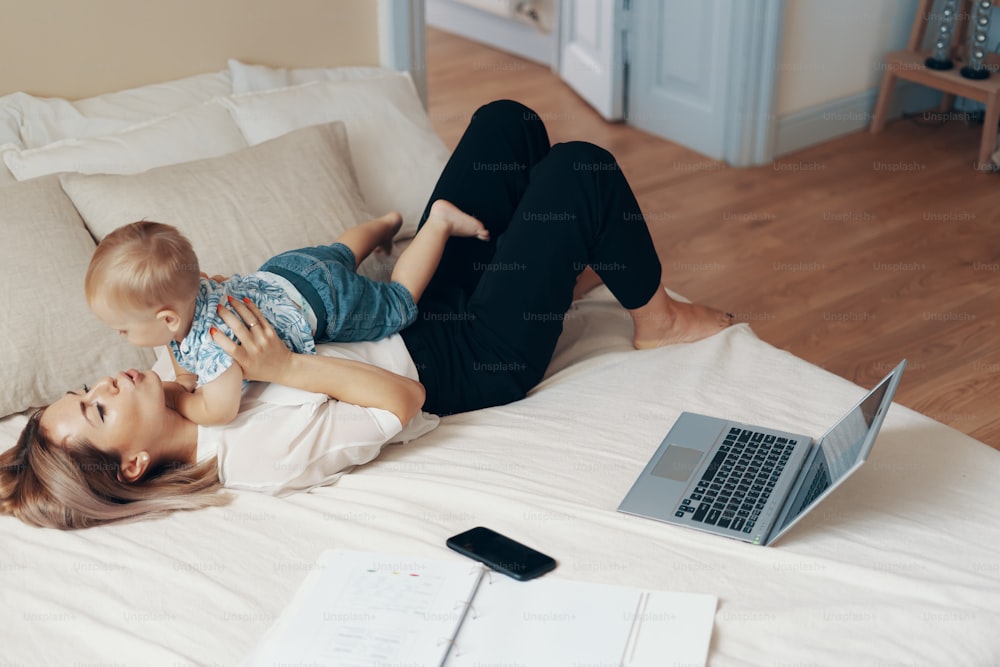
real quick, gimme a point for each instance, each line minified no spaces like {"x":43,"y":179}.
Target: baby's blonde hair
{"x":143,"y":265}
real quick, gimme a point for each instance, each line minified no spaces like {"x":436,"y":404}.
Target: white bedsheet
{"x":898,"y":566}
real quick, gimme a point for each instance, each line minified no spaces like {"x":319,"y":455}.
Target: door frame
{"x":753,"y":81}
{"x":402,"y":42}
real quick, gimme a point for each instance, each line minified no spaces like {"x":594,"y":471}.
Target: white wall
{"x":70,"y":48}
{"x":832,"y":50}
{"x":831,"y":67}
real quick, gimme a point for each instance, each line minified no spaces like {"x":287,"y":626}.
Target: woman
{"x":489,"y":323}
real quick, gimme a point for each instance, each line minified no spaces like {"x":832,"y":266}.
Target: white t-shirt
{"x":285,"y":440}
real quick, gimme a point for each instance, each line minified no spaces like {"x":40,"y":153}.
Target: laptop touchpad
{"x":677,"y":463}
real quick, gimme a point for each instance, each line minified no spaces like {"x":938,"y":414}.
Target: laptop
{"x":753,"y":483}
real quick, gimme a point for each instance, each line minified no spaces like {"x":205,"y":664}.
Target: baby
{"x":144,"y":281}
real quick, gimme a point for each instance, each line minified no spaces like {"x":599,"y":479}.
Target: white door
{"x":592,"y":53}
{"x":700,"y":73}
{"x":679,"y":72}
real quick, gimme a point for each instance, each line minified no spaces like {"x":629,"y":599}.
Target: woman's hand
{"x":263,"y":356}
{"x":260,"y":353}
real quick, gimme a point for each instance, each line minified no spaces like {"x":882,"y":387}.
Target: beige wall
{"x":76,"y":48}
{"x":832,"y":48}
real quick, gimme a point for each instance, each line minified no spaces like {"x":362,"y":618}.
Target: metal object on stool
{"x":977,"y":41}
{"x":940,"y":59}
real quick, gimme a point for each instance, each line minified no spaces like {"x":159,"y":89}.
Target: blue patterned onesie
{"x":199,"y":354}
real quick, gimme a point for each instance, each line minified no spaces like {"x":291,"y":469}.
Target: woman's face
{"x":120,"y":415}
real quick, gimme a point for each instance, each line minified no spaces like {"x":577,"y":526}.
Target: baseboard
{"x":806,"y":128}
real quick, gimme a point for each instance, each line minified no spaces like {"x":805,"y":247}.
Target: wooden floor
{"x":852,"y":254}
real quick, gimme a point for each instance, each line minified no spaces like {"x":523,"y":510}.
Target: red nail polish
{"x":212,"y":331}
{"x":229,"y":296}
{"x":246,"y":300}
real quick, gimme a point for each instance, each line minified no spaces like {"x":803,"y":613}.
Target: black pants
{"x":490,"y":319}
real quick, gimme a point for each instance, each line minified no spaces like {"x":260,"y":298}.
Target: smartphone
{"x":499,"y":552}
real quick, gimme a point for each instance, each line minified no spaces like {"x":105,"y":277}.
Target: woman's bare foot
{"x":664,"y":321}
{"x":392,"y":222}
{"x":457,"y":222}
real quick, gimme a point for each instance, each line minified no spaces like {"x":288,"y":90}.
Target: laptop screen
{"x":842,"y":449}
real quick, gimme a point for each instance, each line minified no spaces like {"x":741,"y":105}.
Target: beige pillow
{"x":397,"y":155}
{"x":49,"y":340}
{"x":238,"y":209}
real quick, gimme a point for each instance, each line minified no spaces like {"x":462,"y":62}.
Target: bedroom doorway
{"x":699,"y":74}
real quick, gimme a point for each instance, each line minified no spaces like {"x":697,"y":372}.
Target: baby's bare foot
{"x":393,"y":221}
{"x":457,"y":222}
{"x":664,"y":321}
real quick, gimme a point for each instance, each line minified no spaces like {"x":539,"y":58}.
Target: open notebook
{"x":358,"y":609}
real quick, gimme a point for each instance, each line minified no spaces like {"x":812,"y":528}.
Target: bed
{"x":898,"y":566}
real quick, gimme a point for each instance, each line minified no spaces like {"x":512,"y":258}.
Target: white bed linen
{"x":5,"y":175}
{"x":899,"y":566}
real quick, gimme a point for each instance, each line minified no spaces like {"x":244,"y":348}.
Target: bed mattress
{"x":898,"y":566}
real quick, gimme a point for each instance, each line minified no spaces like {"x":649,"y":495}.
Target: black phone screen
{"x":501,"y":553}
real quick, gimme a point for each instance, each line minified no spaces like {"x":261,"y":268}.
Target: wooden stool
{"x":909,"y":65}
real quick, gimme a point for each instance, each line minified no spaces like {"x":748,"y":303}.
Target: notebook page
{"x":672,"y":629}
{"x":357,"y":609}
{"x":545,"y":622}
{"x":555,"y":623}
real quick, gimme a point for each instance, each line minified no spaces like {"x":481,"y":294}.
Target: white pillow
{"x":396,"y":153}
{"x":49,"y":340}
{"x":201,"y":131}
{"x":254,"y":78}
{"x":5,"y":175}
{"x":157,"y":99}
{"x":238,"y":209}
{"x":47,"y":119}
{"x":251,"y":78}
{"x":10,"y":121}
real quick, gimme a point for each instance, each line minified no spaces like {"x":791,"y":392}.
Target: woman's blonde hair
{"x":77,"y":485}
{"x":144,"y":264}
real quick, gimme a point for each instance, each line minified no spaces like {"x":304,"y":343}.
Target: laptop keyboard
{"x":738,"y":481}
